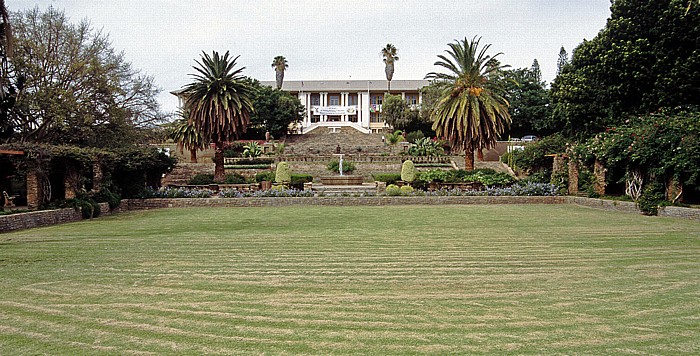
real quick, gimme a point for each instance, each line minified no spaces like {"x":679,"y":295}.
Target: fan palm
{"x":187,"y":136}
{"x":219,"y":101}
{"x":471,"y":112}
{"x":280,"y":65}
{"x":389,"y":54}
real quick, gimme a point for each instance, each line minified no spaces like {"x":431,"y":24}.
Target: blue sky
{"x":330,"y":39}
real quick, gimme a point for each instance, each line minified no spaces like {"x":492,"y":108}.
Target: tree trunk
{"x":193,"y":156}
{"x":279,"y":78}
{"x":219,"y":173}
{"x":480,"y":155}
{"x":468,"y":158}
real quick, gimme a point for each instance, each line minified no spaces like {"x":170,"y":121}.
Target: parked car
{"x":529,"y":138}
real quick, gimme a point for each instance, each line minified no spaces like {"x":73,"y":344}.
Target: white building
{"x":348,"y":103}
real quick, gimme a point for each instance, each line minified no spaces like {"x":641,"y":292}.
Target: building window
{"x":315,"y":99}
{"x":376,"y":99}
{"x":315,"y":118}
{"x":334,"y":100}
{"x":352,"y":118}
{"x":352,"y":99}
{"x":412,"y":99}
{"x":375,"y":117}
{"x":333,"y":117}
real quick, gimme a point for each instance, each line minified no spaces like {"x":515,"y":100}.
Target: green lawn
{"x":367,"y":280}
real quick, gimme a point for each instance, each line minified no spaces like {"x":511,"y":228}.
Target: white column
{"x":364,"y":108}
{"x":324,"y":102}
{"x":403,"y":95}
{"x":344,"y":102}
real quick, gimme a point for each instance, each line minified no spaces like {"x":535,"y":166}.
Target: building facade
{"x":348,"y":103}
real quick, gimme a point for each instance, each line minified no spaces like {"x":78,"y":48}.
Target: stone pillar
{"x":674,"y":189}
{"x":35,"y":195}
{"x":71,"y":181}
{"x":97,"y":176}
{"x":599,"y":173}
{"x":573,"y":177}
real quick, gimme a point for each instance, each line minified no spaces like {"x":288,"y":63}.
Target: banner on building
{"x":334,"y":110}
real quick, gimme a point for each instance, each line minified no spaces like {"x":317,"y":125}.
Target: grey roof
{"x":342,"y":85}
{"x":348,"y":85}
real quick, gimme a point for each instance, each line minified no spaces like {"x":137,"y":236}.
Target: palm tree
{"x":219,"y":103}
{"x":471,"y":112}
{"x":280,"y":65}
{"x":187,"y":136}
{"x":389,"y":54}
{"x":6,"y":40}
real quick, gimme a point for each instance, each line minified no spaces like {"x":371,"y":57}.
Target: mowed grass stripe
{"x":369,"y":280}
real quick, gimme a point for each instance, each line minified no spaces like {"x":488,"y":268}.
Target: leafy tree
{"x":563,"y":60}
{"x":389,"y":54}
{"x":275,"y":111}
{"x":393,"y":111}
{"x":535,"y":71}
{"x":219,"y":101}
{"x":529,"y":102}
{"x":72,"y":87}
{"x":280,"y":65}
{"x":472,"y":112}
{"x":7,"y":89}
{"x":645,"y":58}
{"x":186,"y":135}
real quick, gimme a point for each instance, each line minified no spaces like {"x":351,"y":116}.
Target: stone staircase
{"x":321,"y":141}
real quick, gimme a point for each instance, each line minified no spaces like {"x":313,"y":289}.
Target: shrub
{"x":408,"y":171}
{"x":284,"y":173}
{"x":253,"y":161}
{"x":426,"y":147}
{"x":393,"y":190}
{"x":487,"y":177}
{"x":414,"y":136}
{"x":406,"y":190}
{"x":106,"y":196}
{"x":265,"y":176}
{"x":298,"y":180}
{"x":434,"y":175}
{"x":334,"y":166}
{"x":388,"y":178}
{"x":652,"y":197}
{"x":234,"y":178}
{"x":201,"y":179}
{"x":252,"y":149}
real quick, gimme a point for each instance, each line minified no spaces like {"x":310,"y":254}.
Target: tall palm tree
{"x":219,"y":101}
{"x":280,"y":65}
{"x":5,"y":47}
{"x":471,"y":112}
{"x":389,"y":54}
{"x":186,"y":135}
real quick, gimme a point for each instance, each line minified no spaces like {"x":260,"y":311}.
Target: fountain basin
{"x":342,"y":180}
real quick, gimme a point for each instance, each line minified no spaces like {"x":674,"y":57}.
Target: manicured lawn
{"x":369,"y":280}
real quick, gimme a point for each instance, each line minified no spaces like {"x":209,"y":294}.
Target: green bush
{"x":413,"y":136}
{"x":334,"y":166}
{"x":408,"y":171}
{"x":106,"y":196}
{"x":406,"y":190}
{"x":297,"y":181}
{"x":426,"y":147}
{"x":265,"y":176}
{"x":252,"y":149}
{"x":393,"y":190}
{"x":652,"y":197}
{"x":234,"y":178}
{"x":253,"y":161}
{"x":388,"y":178}
{"x":284,"y":173}
{"x":201,"y":179}
{"x":434,"y":175}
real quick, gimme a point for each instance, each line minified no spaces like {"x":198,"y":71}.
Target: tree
{"x":389,"y":54}
{"x":563,"y":60}
{"x":72,"y":87}
{"x":219,"y":101}
{"x":7,"y":89}
{"x":275,"y":111}
{"x":471,"y":113}
{"x":186,"y":135}
{"x":280,"y":65}
{"x":393,"y":111}
{"x":530,"y":108}
{"x":646,"y":58}
{"x":535,"y":71}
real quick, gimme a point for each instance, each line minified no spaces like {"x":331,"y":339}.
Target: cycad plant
{"x":220,"y":104}
{"x":471,"y":112}
{"x":186,"y":135}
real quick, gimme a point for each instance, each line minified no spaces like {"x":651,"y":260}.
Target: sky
{"x":329,"y":39}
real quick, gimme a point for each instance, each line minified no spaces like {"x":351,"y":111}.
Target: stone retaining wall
{"x":43,"y":218}
{"x":679,"y":212}
{"x":612,"y":205}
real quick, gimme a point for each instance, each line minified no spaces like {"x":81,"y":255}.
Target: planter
{"x":342,"y":180}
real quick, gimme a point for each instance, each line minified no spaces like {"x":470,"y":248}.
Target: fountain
{"x":341,"y":179}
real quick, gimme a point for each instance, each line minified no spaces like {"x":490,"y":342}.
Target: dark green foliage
{"x":388,"y":178}
{"x":106,"y":196}
{"x":434,"y":175}
{"x":254,"y":161}
{"x":298,"y":180}
{"x":529,"y":101}
{"x":427,"y":148}
{"x":234,"y":178}
{"x":533,"y":158}
{"x":275,"y":110}
{"x":201,"y":179}
{"x":89,"y":208}
{"x":234,"y":150}
{"x":652,"y":197}
{"x":644,"y":59}
{"x":265,"y":176}
{"x":334,"y":166}
{"x":487,"y":177}
{"x":413,"y":136}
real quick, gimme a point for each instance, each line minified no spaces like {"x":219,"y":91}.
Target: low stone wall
{"x":612,"y":205}
{"x":40,"y":218}
{"x":679,"y":212}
